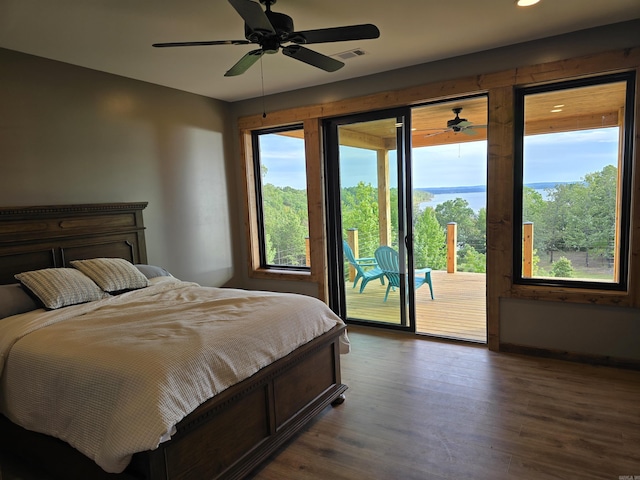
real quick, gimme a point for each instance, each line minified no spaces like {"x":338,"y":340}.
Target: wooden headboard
{"x":50,"y":236}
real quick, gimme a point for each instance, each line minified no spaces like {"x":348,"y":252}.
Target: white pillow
{"x":112,"y":274}
{"x":60,"y":287}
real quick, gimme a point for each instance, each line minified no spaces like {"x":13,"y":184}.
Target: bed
{"x":226,"y":435}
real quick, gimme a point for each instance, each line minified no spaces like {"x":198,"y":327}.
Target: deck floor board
{"x":457,"y":311}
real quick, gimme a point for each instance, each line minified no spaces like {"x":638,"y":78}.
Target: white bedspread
{"x":121,"y":372}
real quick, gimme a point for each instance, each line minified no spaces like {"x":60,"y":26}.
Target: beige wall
{"x":72,"y":135}
{"x":577,"y":328}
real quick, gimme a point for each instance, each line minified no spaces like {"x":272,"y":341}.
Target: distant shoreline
{"x":483,"y":188}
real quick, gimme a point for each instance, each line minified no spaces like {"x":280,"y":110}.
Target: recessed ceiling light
{"x":526,"y":3}
{"x":559,"y":106}
{"x":556,"y":110}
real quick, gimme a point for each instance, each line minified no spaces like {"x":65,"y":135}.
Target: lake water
{"x":477,"y":200}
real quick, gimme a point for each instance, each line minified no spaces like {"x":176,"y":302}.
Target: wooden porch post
{"x":384,"y":198}
{"x":527,"y":250}
{"x":352,"y":240}
{"x":452,"y":247}
{"x":307,"y":258}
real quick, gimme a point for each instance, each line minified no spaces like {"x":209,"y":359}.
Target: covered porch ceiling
{"x":557,"y":111}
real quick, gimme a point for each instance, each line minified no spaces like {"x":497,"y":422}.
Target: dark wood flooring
{"x":422,"y":409}
{"x":418,"y":408}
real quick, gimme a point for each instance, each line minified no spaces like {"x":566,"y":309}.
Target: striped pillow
{"x":112,"y":274}
{"x":60,"y":287}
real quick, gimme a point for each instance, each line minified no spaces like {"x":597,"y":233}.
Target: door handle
{"x":408,"y":244}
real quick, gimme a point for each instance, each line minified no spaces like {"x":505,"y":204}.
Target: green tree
{"x":562,"y":268}
{"x":534,"y":209}
{"x":420,"y":196}
{"x":393,"y":207}
{"x":480,"y":243}
{"x":555,"y":220}
{"x":579,"y":222}
{"x":537,"y":271}
{"x":458,"y":211}
{"x":360,"y":211}
{"x":578,"y":216}
{"x":286,"y":224}
{"x":470,"y":260}
{"x":429,"y":241}
{"x":594,"y":223}
{"x":270,"y":251}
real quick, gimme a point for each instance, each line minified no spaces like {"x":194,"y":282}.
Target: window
{"x":573,"y":182}
{"x":281,"y":197}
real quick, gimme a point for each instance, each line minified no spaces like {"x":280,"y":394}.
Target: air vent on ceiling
{"x":356,"y":52}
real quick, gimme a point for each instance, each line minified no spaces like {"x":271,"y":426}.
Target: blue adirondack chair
{"x":366,"y":268}
{"x":387,"y":259}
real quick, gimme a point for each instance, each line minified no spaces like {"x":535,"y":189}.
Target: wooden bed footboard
{"x":231,"y":435}
{"x":226,"y":437}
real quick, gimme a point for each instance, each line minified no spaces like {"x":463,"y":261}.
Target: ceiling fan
{"x":458,"y":124}
{"x":272,"y":30}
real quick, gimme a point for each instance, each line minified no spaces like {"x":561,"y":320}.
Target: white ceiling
{"x":115,"y":36}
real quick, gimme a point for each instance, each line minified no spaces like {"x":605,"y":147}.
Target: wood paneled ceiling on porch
{"x":582,"y":108}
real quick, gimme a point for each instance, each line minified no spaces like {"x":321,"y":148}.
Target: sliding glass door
{"x":406,"y":203}
{"x":449,"y":176}
{"x":369,"y":217}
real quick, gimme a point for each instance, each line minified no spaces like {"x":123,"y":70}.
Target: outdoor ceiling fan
{"x":458,"y":124}
{"x":271,"y":31}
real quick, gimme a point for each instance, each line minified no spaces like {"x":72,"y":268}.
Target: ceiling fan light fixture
{"x":526,"y":3}
{"x":457,"y":120}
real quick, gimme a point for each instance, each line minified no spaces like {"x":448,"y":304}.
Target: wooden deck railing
{"x":452,"y":248}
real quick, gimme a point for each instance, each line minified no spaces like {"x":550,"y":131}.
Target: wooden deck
{"x":458,"y":310}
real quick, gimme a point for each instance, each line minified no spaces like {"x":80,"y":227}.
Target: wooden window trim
{"x":315,"y":205}
{"x":591,"y":291}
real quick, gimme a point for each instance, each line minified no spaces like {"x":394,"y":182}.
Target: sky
{"x":568,"y":156}
{"x":284,"y":159}
{"x":559,"y":157}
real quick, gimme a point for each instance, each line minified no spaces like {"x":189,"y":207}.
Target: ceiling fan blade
{"x":310,"y":57}
{"x":434,"y":134}
{"x":244,"y":63}
{"x":471,"y":129}
{"x":253,"y":16}
{"x":337,"y":34}
{"x":194,"y":44}
{"x":463,"y":124}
